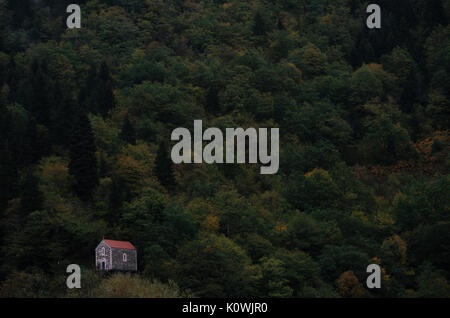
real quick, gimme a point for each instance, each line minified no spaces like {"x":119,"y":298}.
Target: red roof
{"x":120,"y":244}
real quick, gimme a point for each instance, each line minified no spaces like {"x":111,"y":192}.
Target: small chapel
{"x":111,"y":255}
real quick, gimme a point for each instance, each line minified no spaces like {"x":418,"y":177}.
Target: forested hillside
{"x":86,"y":117}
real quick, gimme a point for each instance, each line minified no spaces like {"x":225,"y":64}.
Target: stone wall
{"x":119,"y":264}
{"x":107,"y":258}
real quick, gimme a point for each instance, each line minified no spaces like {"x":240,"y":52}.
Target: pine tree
{"x":164,"y":167}
{"x":4,"y":95}
{"x":117,"y":196}
{"x":128,"y":134}
{"x":62,"y":116}
{"x":102,"y":166}
{"x":32,"y":149}
{"x":212,"y":100}
{"x":8,"y":176}
{"x":42,"y":93}
{"x":259,"y":25}
{"x":11,"y":78}
{"x":83,"y":163}
{"x":86,"y":96}
{"x":20,"y":11}
{"x":97,"y":95}
{"x":106,"y":99}
{"x":31,"y":198}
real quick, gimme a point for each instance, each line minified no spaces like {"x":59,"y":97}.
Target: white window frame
{"x":124,"y":257}
{"x":102,"y":251}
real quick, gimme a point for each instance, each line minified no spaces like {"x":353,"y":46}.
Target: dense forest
{"x":85,"y":122}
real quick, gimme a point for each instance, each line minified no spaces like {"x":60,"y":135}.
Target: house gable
{"x":103,"y":254}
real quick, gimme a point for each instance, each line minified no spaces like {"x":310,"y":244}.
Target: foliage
{"x":83,"y":163}
{"x":85,"y":122}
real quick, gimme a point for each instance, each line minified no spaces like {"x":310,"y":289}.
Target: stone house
{"x":116,"y":256}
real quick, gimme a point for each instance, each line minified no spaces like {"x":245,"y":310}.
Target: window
{"x":102,"y":251}
{"x":124,"y":257}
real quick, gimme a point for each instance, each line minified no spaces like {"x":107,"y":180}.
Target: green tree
{"x":128,"y":134}
{"x":315,"y":190}
{"x":349,"y":286}
{"x":400,"y":63}
{"x":164,"y":167}
{"x":260,"y":24}
{"x":214,"y":266}
{"x":385,"y":140}
{"x":31,"y":198}
{"x":432,"y":283}
{"x":334,"y":260}
{"x":365,"y":85}
{"x":310,"y":60}
{"x":97,"y":94}
{"x":104,"y":90}
{"x":83,"y":161}
{"x":275,"y":283}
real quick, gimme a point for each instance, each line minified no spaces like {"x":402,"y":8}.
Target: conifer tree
{"x":42,"y":101}
{"x":34,"y":146}
{"x":83,"y":163}
{"x":62,"y":116}
{"x":259,"y":24}
{"x":86,"y":98}
{"x":11,"y":78}
{"x":8,"y":176}
{"x":106,"y":99}
{"x":97,"y":95}
{"x":128,"y":134}
{"x":164,"y":167}
{"x":116,"y":198}
{"x":31,"y":198}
